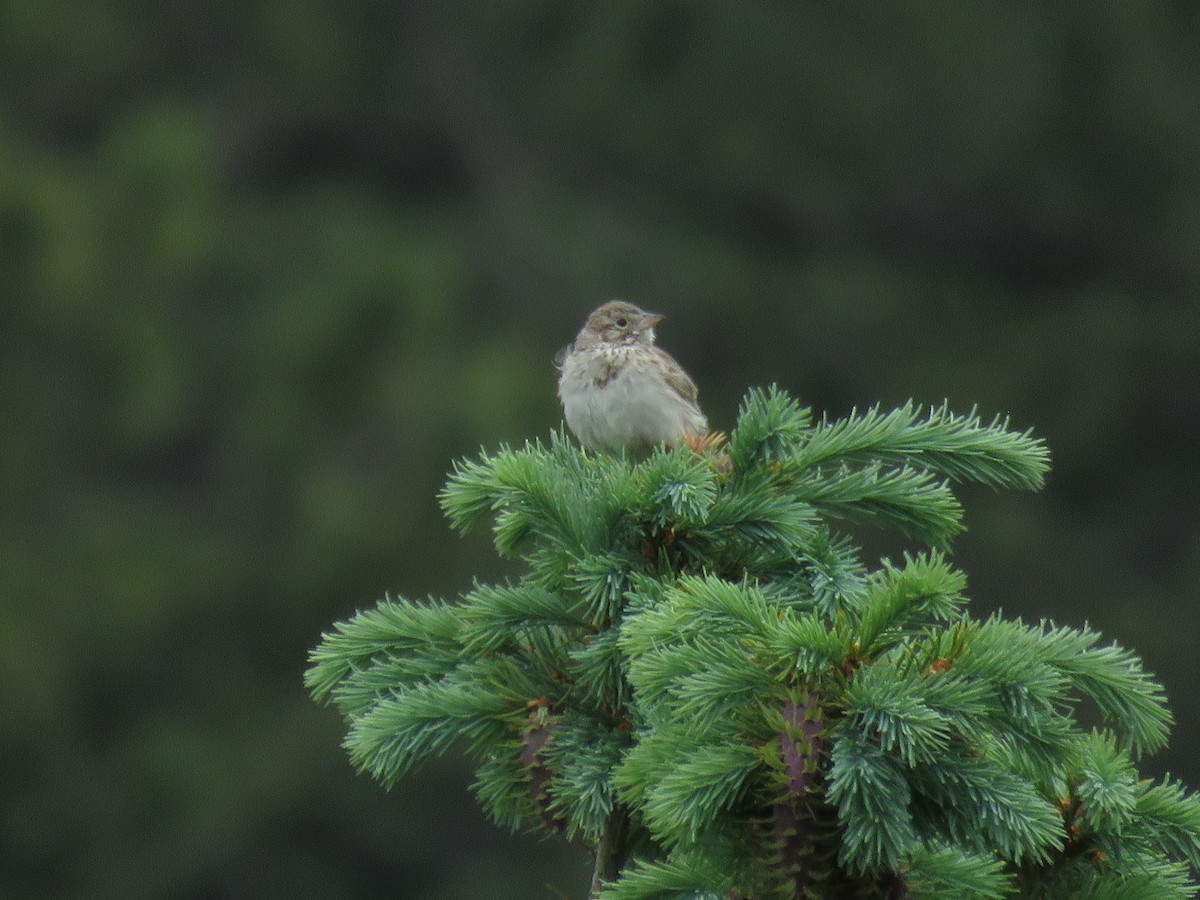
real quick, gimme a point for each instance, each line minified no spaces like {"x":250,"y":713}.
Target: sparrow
{"x":621,"y":392}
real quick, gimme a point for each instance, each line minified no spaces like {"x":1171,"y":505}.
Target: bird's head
{"x":618,"y":322}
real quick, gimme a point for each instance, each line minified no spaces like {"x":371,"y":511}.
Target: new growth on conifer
{"x":701,"y":680}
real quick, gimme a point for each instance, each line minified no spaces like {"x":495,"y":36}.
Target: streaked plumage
{"x":621,"y":392}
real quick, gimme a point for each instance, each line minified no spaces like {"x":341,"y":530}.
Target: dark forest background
{"x":267,"y":268}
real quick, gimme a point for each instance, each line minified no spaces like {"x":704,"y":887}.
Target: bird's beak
{"x":649,"y":320}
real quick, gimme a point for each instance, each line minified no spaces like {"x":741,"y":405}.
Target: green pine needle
{"x":697,"y":677}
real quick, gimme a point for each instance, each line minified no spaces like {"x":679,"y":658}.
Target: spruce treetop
{"x":699,"y":679}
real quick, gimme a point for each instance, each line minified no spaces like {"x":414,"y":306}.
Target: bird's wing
{"x":677,"y":378}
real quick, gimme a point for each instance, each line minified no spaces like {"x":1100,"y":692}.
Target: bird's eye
{"x":622,"y":322}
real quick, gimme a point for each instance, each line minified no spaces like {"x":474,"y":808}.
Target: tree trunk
{"x":610,"y":854}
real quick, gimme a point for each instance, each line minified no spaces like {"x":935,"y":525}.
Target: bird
{"x":619,"y":391}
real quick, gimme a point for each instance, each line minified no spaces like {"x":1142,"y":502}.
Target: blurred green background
{"x":267,"y":268}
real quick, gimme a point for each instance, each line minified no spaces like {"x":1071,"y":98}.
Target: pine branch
{"x":1105,"y":787}
{"x":959,"y":447}
{"x":832,"y":572}
{"x":502,"y":788}
{"x":897,"y":599}
{"x":702,"y":784}
{"x":428,"y":718}
{"x":947,"y":873}
{"x":976,"y":803}
{"x":1127,"y":695}
{"x":749,"y":514}
{"x":892,"y":707}
{"x":771,"y":427}
{"x":680,"y":875}
{"x":873,"y":796}
{"x":1041,"y":664}
{"x":1171,"y":818}
{"x":583,"y":755}
{"x":703,"y":683}
{"x":425,"y":636}
{"x":803,"y":646}
{"x":680,"y":488}
{"x":912,"y":501}
{"x":539,"y":495}
{"x":497,"y":617}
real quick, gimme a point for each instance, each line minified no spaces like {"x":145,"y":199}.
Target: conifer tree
{"x":700,"y":679}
